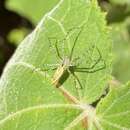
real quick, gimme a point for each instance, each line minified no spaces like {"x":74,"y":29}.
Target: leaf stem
{"x":69,"y":96}
{"x":74,"y":100}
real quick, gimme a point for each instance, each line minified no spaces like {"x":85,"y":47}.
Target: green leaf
{"x":113,"y":112}
{"x":121,"y":40}
{"x":17,"y":35}
{"x":25,"y":85}
{"x":33,"y":10}
{"x":120,"y":1}
{"x":58,"y":116}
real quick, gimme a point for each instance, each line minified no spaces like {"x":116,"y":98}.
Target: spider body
{"x":68,"y":65}
{"x":63,"y":72}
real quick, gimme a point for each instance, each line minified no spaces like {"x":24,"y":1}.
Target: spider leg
{"x":77,"y":87}
{"x":49,"y":69}
{"x":57,"y":50}
{"x":40,"y":69}
{"x":90,"y":71}
{"x":76,"y":77}
{"x":75,"y":41}
{"x":69,"y":32}
{"x":95,"y":63}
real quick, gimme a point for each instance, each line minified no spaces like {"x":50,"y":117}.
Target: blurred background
{"x":19,"y":17}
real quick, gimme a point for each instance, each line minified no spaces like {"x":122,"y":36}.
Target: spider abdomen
{"x":60,"y":76}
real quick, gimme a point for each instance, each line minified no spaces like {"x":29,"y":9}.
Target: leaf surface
{"x":33,"y":10}
{"x":25,"y":84}
{"x":120,"y":1}
{"x":113,"y":112}
{"x":38,"y":117}
{"x":121,"y":39}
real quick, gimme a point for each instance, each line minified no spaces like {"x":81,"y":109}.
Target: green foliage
{"x":34,"y":10}
{"x":17,"y":35}
{"x":121,"y":39}
{"x":113,"y":111}
{"x":120,"y":1}
{"x":55,"y":117}
{"x":30,"y":101}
